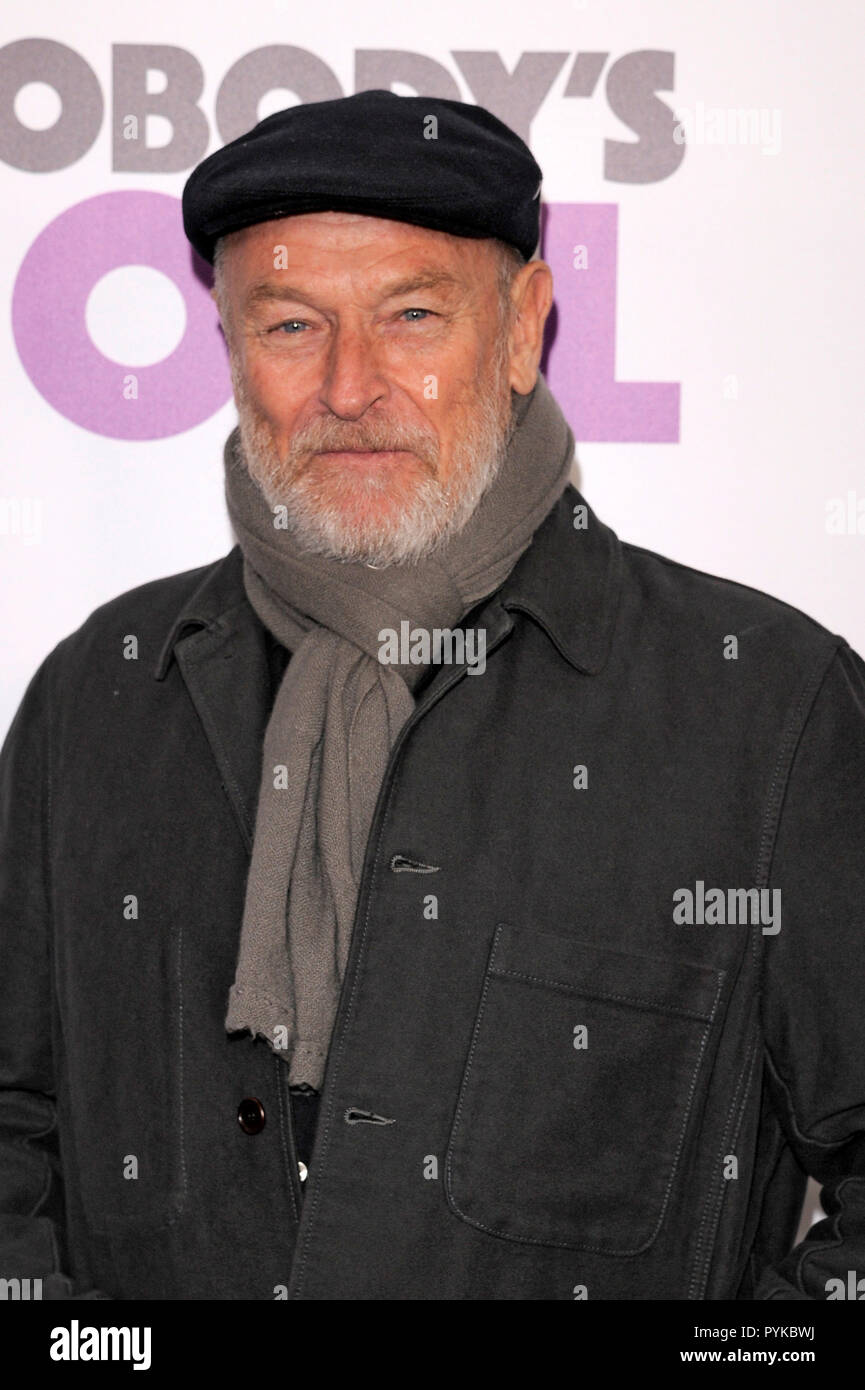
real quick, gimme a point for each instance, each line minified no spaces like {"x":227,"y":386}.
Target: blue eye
{"x":288,"y":324}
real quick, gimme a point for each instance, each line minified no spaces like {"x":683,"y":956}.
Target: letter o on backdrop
{"x":80,"y":96}
{"x":49,"y":305}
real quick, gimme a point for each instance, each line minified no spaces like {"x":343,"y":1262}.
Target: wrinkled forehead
{"x":351,"y":233}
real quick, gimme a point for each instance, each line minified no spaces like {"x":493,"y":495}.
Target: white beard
{"x":397,"y":512}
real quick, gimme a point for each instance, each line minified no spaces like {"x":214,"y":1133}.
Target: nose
{"x":353,"y":379}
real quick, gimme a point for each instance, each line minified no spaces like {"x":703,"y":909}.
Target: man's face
{"x":372,"y":377}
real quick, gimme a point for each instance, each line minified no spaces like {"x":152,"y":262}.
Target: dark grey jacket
{"x":584,"y":1095}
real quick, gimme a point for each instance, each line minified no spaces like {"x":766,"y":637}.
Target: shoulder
{"x":148,"y":612}
{"x":685,"y":600}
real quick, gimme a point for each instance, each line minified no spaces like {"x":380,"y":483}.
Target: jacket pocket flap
{"x":561,"y":962}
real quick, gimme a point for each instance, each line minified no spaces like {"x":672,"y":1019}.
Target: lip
{"x":361,"y":453}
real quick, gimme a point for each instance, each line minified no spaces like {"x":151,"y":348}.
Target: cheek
{"x":268,"y":392}
{"x":457,"y":397}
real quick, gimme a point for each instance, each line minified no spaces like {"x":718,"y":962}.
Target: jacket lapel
{"x":228,"y":680}
{"x":220,"y":648}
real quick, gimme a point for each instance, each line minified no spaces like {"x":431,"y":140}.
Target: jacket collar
{"x":568,"y":581}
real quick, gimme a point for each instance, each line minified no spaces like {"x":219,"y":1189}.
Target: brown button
{"x":250,"y":1115}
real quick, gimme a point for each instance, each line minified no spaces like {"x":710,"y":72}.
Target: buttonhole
{"x":401,"y":864}
{"x":365,"y":1117}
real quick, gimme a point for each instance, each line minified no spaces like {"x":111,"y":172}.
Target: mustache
{"x":322,"y":438}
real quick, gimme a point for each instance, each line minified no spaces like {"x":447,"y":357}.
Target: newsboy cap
{"x":463,"y":172}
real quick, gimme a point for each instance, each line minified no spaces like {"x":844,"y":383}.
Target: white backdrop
{"x":708,"y":159}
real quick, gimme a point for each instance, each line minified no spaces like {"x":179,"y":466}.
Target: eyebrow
{"x":264,"y":290}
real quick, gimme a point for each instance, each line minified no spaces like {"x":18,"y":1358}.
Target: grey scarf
{"x":337,"y":714}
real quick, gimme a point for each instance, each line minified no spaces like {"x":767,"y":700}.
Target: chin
{"x":347,"y":520}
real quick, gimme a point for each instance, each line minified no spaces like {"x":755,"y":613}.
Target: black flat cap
{"x":372,"y":153}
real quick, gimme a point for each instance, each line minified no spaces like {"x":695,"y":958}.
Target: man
{"x":435,"y":898}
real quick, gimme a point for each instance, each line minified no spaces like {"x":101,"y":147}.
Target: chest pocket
{"x":582,"y":1073}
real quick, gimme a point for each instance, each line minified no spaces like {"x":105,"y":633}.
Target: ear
{"x":532,"y":294}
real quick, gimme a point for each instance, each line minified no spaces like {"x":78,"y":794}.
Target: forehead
{"x":330,"y":238}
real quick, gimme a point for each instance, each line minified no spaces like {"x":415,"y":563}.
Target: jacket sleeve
{"x":32,"y":1242}
{"x":813,"y":998}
